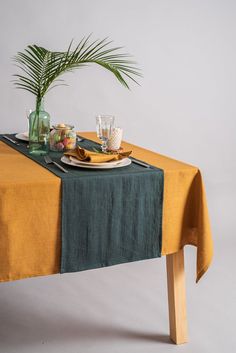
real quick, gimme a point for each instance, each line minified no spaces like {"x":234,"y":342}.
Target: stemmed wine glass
{"x":28,"y":112}
{"x":104,"y":125}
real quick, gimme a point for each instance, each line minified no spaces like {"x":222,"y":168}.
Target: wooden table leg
{"x":177,"y":297}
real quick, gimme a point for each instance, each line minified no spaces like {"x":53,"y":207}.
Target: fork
{"x":11,"y":140}
{"x":49,"y":160}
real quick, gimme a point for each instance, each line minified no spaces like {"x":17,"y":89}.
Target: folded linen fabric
{"x":96,"y":157}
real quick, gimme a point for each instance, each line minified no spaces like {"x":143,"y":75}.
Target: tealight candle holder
{"x":115,"y":139}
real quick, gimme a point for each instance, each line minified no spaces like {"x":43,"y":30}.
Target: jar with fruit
{"x":62,"y":138}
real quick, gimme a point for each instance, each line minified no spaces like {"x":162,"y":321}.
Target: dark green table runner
{"x":108,"y":216}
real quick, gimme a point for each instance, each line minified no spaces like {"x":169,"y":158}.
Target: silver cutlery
{"x":49,"y":160}
{"x":11,"y":140}
{"x":140,"y":163}
{"x":79,"y":139}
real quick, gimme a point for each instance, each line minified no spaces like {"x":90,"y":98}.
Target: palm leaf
{"x":42,"y":67}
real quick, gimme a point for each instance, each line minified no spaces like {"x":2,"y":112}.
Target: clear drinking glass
{"x":104,"y":125}
{"x":28,"y":112}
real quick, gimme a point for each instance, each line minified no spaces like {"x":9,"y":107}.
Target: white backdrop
{"x":185,"y":106}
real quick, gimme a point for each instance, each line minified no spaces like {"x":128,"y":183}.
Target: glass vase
{"x":39,"y":130}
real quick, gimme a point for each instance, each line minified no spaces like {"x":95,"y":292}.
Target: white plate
{"x":24,"y":136}
{"x":125,"y":162}
{"x":76,"y":161}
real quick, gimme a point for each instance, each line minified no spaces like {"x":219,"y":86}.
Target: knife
{"x":140,"y":163}
{"x":11,"y":140}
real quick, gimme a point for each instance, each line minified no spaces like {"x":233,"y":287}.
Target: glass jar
{"x":62,"y":138}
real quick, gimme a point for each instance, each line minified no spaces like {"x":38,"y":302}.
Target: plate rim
{"x":20,"y":134}
{"x":120,"y":165}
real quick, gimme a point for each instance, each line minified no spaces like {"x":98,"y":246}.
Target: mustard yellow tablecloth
{"x":30,"y":213}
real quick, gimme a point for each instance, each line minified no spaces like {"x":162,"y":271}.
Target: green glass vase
{"x":39,"y":130}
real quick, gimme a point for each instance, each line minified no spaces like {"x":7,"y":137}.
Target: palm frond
{"x":42,"y":67}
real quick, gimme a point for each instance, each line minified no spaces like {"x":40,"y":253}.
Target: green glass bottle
{"x":39,"y":130}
